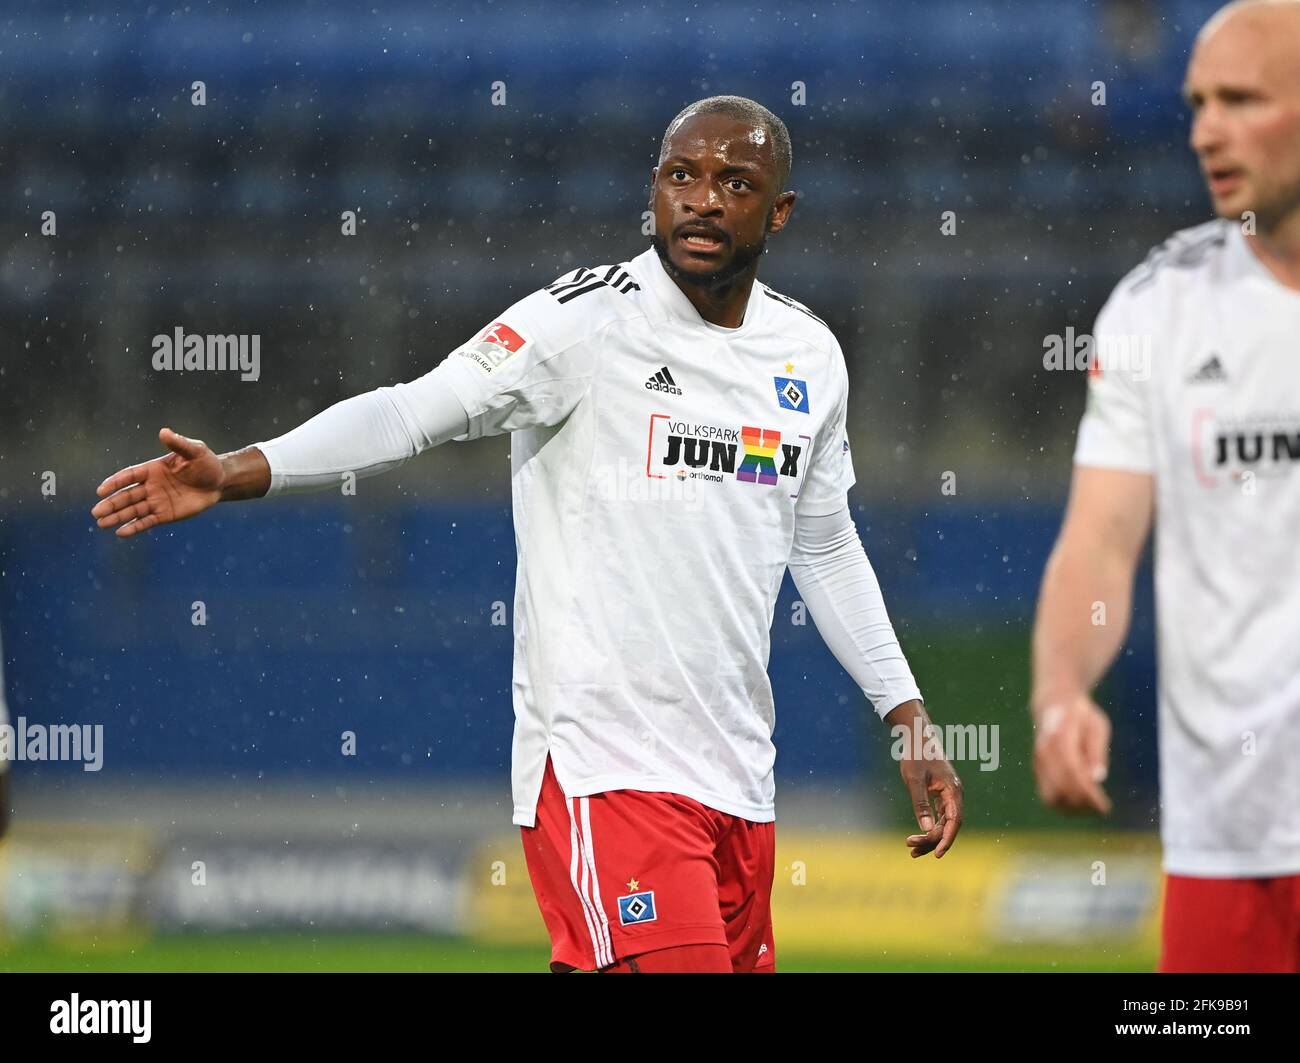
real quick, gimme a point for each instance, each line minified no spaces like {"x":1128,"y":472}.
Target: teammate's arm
{"x":1091,"y":569}
{"x":835,"y":579}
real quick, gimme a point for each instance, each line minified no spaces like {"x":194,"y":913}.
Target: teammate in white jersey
{"x":679,"y":440}
{"x":1194,"y":412}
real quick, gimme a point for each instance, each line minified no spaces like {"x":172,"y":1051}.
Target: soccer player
{"x":679,"y":440}
{"x":1205,"y":433}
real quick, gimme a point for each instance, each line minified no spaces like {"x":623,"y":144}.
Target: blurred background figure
{"x":1194,"y":414}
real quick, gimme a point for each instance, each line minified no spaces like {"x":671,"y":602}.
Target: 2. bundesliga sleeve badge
{"x":496,"y":344}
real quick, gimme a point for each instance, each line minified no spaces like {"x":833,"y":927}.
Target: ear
{"x":781,"y":209}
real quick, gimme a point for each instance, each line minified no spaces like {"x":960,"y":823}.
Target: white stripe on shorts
{"x":589,"y":849}
{"x":601,"y":947}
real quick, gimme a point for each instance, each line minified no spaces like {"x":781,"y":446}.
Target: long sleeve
{"x":837,"y":583}
{"x":525,"y":369}
{"x":366,"y":434}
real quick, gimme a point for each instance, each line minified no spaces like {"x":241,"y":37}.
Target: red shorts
{"x":626,"y":872}
{"x":1231,"y":924}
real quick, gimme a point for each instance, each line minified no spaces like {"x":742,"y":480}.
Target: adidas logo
{"x":663,"y":381}
{"x":1211,"y":372}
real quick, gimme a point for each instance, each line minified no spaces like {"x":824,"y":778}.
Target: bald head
{"x":1243,"y":85}
{"x":1254,"y":14}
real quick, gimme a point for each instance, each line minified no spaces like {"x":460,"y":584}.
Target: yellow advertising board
{"x":837,"y":892}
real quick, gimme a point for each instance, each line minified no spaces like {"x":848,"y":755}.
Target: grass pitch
{"x":346,"y":952}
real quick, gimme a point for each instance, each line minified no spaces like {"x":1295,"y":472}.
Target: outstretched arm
{"x":366,"y":434}
{"x":836,"y":581}
{"x":1093,"y":564}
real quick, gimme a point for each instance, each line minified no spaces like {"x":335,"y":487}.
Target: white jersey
{"x":657,"y":466}
{"x":1216,"y":421}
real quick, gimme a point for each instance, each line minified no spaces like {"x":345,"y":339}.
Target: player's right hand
{"x":178,"y":485}
{"x":1072,"y":755}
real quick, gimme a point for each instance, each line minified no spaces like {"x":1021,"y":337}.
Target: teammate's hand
{"x":931,"y":783}
{"x":1072,"y":755}
{"x":178,"y":485}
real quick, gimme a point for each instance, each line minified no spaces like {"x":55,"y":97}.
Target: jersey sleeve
{"x":527,"y":368}
{"x":830,"y":473}
{"x":1115,"y":431}
{"x":834,"y":577}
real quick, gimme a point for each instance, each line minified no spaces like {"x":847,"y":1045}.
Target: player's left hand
{"x":931,"y":783}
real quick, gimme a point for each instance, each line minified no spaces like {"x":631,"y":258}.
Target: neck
{"x":723,"y":301}
{"x":724,"y":305}
{"x":1277,"y":246}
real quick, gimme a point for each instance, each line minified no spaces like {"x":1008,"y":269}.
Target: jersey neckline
{"x":651,"y":270}
{"x":1250,"y":263}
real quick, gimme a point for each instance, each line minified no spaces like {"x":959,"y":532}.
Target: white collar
{"x":1245,"y":259}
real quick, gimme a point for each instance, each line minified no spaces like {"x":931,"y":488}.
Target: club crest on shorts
{"x":637,"y":908}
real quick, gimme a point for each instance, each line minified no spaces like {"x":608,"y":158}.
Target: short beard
{"x":722,"y":277}
{"x":1270,"y":216}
